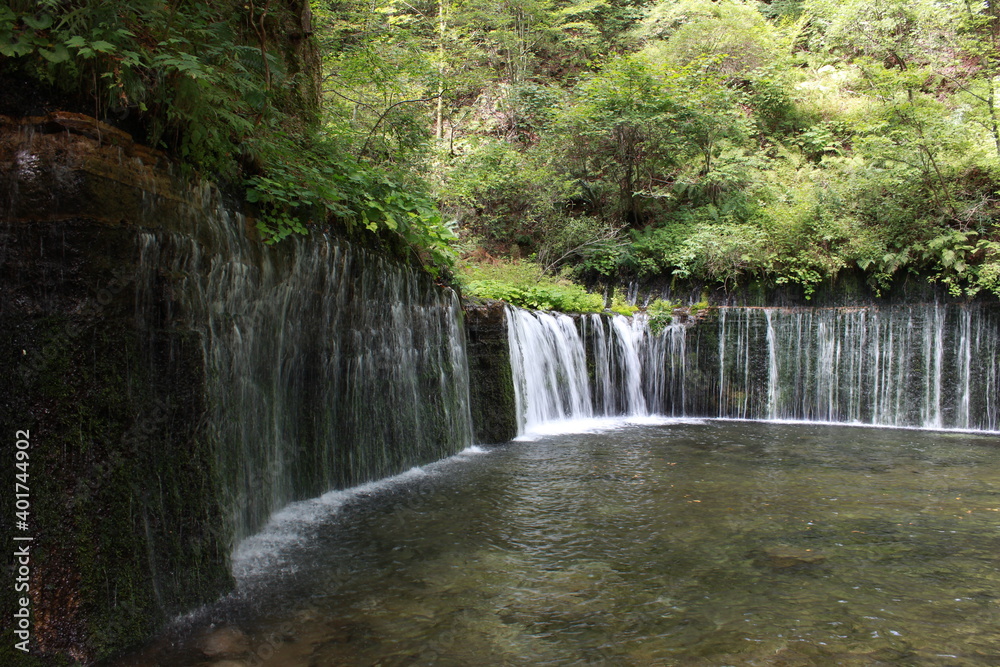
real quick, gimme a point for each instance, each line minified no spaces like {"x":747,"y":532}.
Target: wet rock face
{"x":113,"y":274}
{"x":67,"y":166}
{"x":124,"y":510}
{"x":494,"y":413}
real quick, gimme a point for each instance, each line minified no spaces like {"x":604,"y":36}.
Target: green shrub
{"x":620,"y":305}
{"x":696,"y":308}
{"x":322,"y":182}
{"x":523,"y":284}
{"x":660,"y":314}
{"x":564,"y":298}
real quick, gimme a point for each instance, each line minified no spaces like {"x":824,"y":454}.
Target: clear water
{"x":675,"y":543}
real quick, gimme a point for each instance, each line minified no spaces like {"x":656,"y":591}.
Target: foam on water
{"x":859,"y":424}
{"x":268,"y":552}
{"x":597,"y":425}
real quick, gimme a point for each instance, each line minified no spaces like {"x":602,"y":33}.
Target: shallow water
{"x":681,"y":543}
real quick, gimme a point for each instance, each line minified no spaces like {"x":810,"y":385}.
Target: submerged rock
{"x":781,"y":557}
{"x":226,"y":641}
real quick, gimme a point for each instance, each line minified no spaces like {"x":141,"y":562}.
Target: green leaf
{"x":76,"y":42}
{"x":43,"y":22}
{"x":22,"y":48}
{"x":103,"y":47}
{"x":57,"y":55}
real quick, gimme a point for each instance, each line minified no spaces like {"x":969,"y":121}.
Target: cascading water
{"x":556,"y":379}
{"x":327,"y":366}
{"x":549,"y":367}
{"x":926,"y":365}
{"x":921,"y":365}
{"x":614,"y":345}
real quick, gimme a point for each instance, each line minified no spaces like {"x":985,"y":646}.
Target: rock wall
{"x":180,"y":382}
{"x":494,"y":413}
{"x":122,"y":490}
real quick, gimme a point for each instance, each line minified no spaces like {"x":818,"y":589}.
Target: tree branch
{"x":378,"y":122}
{"x":341,"y":95}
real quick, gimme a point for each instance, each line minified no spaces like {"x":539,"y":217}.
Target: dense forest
{"x":514,"y":146}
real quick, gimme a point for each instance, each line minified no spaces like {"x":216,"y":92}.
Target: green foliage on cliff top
{"x":660,"y":313}
{"x":199,"y":78}
{"x":719,"y":141}
{"x":523,"y":284}
{"x":230,"y":89}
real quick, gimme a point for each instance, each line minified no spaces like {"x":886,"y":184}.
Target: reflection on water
{"x":692,"y":543}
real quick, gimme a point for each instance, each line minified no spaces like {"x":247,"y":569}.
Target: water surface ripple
{"x":685,"y":543}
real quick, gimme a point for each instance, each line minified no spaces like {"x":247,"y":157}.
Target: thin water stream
{"x":326,"y":365}
{"x":930,"y":365}
{"x":655,"y":543}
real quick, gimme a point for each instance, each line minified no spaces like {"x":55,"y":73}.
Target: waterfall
{"x":924,"y":365}
{"x":549,"y":368}
{"x":933,"y":365}
{"x":556,"y":379}
{"x":327,"y":366}
{"x":628,"y":337}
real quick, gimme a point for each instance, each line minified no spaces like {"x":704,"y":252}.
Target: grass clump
{"x":660,"y":313}
{"x":523,"y":284}
{"x":620,"y":305}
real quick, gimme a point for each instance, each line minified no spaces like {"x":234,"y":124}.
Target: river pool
{"x":674,"y":542}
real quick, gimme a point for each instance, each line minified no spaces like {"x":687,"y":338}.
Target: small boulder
{"x":781,"y":557}
{"x":226,"y":641}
